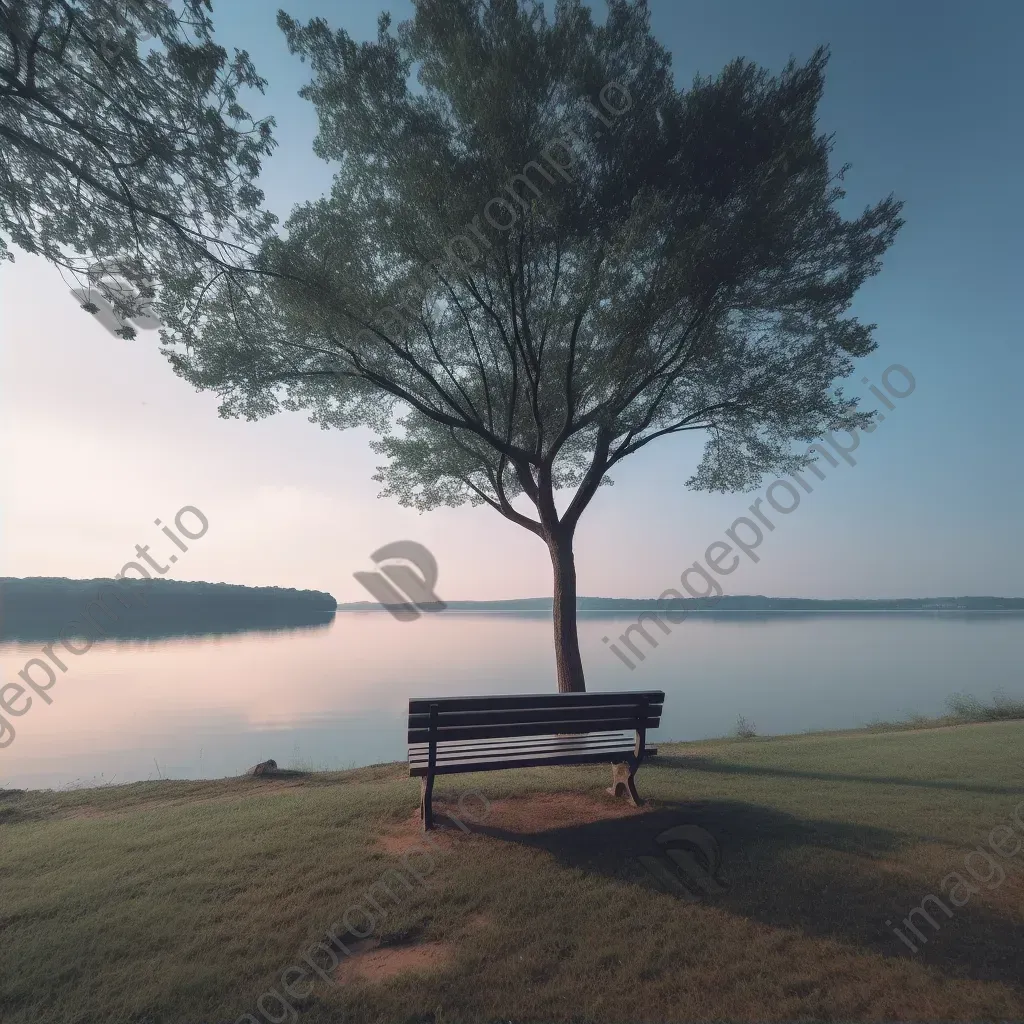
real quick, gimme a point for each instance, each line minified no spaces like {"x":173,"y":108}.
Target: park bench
{"x":448,"y":735}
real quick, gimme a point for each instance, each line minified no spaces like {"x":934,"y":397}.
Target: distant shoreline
{"x":39,"y":607}
{"x":738,"y":603}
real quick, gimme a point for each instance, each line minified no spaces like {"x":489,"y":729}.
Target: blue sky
{"x":99,"y":438}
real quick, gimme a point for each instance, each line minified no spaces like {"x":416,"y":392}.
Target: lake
{"x":336,"y":696}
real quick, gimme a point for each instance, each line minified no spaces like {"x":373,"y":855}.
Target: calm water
{"x":336,"y":697}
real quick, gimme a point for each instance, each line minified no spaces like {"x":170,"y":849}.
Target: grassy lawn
{"x":185,"y":902}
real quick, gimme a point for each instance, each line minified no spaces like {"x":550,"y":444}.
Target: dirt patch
{"x":373,"y":963}
{"x":527,"y":815}
{"x":399,"y":839}
{"x":396,"y":841}
{"x":542,"y":812}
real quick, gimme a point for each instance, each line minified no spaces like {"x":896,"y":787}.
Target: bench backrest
{"x":532,"y":714}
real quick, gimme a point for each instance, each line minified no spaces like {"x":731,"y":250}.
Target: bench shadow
{"x":765,"y":882}
{"x":708,"y":764}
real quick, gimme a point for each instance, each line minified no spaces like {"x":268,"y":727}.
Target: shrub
{"x":965,"y":707}
{"x":744,"y":729}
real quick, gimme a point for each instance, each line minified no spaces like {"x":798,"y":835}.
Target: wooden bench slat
{"x":517,"y":742}
{"x":512,"y":716}
{"x":449,"y":751}
{"x":513,"y":742}
{"x":472,"y":732}
{"x":622,"y":755}
{"x":484,"y":757}
{"x":500,"y":702}
{"x":538,"y":760}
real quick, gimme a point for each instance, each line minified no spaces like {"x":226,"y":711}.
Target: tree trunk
{"x":568,"y":663}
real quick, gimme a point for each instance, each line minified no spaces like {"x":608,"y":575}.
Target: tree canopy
{"x":540,"y":256}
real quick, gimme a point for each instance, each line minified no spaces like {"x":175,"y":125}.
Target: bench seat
{"x":470,"y":755}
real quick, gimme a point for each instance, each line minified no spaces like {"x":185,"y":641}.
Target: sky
{"x":98,"y":437}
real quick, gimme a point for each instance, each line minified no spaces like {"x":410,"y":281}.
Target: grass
{"x":180,"y":902}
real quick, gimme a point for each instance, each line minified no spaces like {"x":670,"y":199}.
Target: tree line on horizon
{"x":42,"y":608}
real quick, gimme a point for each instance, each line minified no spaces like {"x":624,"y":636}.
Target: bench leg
{"x":623,"y":784}
{"x":426,"y":811}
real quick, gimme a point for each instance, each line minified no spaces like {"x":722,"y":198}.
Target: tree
{"x":545,"y":257}
{"x":123,"y":163}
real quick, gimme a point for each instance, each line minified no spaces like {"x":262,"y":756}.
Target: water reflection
{"x":335,"y":695}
